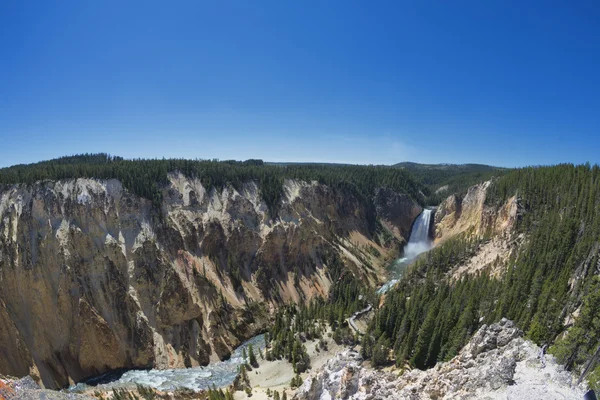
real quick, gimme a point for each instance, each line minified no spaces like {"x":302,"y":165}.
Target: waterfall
{"x":418,"y":243}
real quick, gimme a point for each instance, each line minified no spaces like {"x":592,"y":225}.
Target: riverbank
{"x":268,"y":377}
{"x":276,"y":375}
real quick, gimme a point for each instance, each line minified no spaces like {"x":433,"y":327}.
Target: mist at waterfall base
{"x":418,"y":242}
{"x":218,"y":374}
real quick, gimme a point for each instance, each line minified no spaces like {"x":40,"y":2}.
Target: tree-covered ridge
{"x":554,"y":270}
{"x":426,"y":318}
{"x":556,"y":274}
{"x":553,"y":276}
{"x":457,"y":177}
{"x":146,"y":177}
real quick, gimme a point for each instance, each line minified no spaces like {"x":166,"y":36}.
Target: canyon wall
{"x":493,"y":226}
{"x":470,"y":215}
{"x":94,"y":278}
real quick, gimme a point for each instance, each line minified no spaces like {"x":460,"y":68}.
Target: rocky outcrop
{"x":95,"y":278}
{"x":396,"y":211}
{"x":496,"y":364}
{"x":27,"y":389}
{"x":337,"y":379}
{"x":487,"y":363}
{"x":492,"y":226}
{"x":470,"y":215}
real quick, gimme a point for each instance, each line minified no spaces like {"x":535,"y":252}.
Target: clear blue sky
{"x":499,"y":82}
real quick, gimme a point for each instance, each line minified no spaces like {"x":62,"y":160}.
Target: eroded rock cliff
{"x":95,"y":278}
{"x":493,"y":226}
{"x":470,"y":215}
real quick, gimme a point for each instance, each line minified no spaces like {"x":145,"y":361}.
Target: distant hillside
{"x":320,"y":164}
{"x":443,"y":179}
{"x":446,"y":167}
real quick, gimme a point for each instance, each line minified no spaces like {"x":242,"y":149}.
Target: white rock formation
{"x":496,"y":364}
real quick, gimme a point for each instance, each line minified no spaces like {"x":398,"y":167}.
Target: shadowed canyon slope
{"x":95,"y":278}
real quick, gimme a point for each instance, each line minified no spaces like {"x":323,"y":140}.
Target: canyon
{"x":94,"y":279}
{"x":97,"y":279}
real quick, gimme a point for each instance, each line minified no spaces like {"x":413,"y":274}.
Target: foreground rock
{"x":496,"y":364}
{"x":26,"y":389}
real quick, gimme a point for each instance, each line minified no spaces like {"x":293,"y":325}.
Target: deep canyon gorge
{"x":96,"y":278}
{"x":93,"y":282}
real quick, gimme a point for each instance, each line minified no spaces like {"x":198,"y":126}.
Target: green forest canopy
{"x":442,"y":180}
{"x":426,"y":318}
{"x":145,"y":177}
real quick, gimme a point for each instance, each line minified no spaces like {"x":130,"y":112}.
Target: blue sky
{"x":500,"y":82}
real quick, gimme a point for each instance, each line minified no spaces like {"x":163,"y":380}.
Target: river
{"x":219,"y":374}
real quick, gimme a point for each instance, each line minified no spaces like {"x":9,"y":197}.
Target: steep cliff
{"x":470,"y":215}
{"x":95,"y":278}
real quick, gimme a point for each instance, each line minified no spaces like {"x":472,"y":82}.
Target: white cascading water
{"x":418,"y":242}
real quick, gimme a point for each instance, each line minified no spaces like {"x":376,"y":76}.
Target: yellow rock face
{"x":92,"y":278}
{"x":469,"y":215}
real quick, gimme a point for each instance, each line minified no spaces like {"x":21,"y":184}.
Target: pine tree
{"x":251,"y":356}
{"x":421,"y":351}
{"x":381,"y":351}
{"x":366,"y":346}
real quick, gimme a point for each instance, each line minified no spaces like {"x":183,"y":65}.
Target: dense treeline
{"x":433,"y":321}
{"x":440,"y":260}
{"x":457,"y":178}
{"x":220,"y":394}
{"x":554,"y":270}
{"x":145,"y":177}
{"x":556,"y":274}
{"x":295,"y":324}
{"x":427,"y":318}
{"x":553,"y":277}
{"x":284,"y":339}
